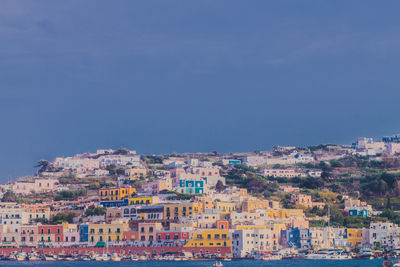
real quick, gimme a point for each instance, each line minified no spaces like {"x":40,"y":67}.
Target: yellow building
{"x":252,"y":205}
{"x":136,"y":173}
{"x":249,"y":227}
{"x":36,"y":211}
{"x":225,"y":207}
{"x":276,"y":227}
{"x":210,"y":238}
{"x":115,"y":193}
{"x":207,"y":202}
{"x":354,"y":237}
{"x":285,"y":213}
{"x":181,"y":210}
{"x":143,"y":200}
{"x":107,"y":232}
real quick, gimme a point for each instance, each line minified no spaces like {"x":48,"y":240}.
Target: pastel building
{"x":156,"y":186}
{"x":35,"y":186}
{"x":147,"y":231}
{"x":71,"y":234}
{"x":191,"y":186}
{"x":144,"y":212}
{"x":296,"y":238}
{"x":136,"y":173}
{"x":28,"y":235}
{"x":355,"y":237}
{"x":107,"y":232}
{"x":50,"y":234}
{"x":115,"y":193}
{"x":210,"y":238}
{"x":249,"y":242}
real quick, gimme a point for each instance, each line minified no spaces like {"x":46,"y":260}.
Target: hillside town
{"x":317,"y":202}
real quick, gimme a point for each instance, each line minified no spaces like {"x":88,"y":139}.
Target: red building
{"x":171,"y":235}
{"x":50,"y":233}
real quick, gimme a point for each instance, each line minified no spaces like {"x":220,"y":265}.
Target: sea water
{"x":234,"y":263}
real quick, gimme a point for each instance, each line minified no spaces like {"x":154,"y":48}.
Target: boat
{"x":227,"y":259}
{"x":271,"y":257}
{"x":21,"y":256}
{"x":338,"y":255}
{"x":142,"y":257}
{"x":366,"y":254}
{"x":69,"y":258}
{"x":318,"y":255}
{"x":115,"y":257}
{"x":33,"y":256}
{"x":102,"y":257}
{"x":12,"y":256}
{"x":218,"y":264}
{"x":84,"y":257}
{"x":50,"y":258}
{"x":328,"y":255}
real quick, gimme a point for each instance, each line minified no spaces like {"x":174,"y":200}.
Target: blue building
{"x":191,"y":186}
{"x":359,"y":212}
{"x":84,"y":233}
{"x":295,"y":237}
{"x":115,"y":203}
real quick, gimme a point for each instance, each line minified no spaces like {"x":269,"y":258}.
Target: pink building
{"x":70,"y":233}
{"x":306,"y":201}
{"x":37,"y":185}
{"x":159,"y":185}
{"x":147,"y":231}
{"x":29,"y":234}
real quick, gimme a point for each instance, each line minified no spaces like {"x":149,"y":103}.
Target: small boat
{"x":227,"y":259}
{"x":142,"y":258}
{"x":366,"y":254}
{"x":50,"y":258}
{"x":84,"y":257}
{"x":12,"y":257}
{"x":33,"y":256}
{"x":271,"y":257}
{"x":102,"y":257}
{"x":115,"y":257}
{"x":21,"y":256}
{"x":218,"y":264}
{"x":69,"y":258}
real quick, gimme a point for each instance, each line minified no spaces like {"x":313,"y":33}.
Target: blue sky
{"x":188,"y":76}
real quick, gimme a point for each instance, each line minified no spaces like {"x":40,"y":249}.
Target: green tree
{"x":219,"y":186}
{"x":9,"y":196}
{"x":43,"y":165}
{"x":63,"y":217}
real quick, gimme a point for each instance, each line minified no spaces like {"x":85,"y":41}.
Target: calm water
{"x":239,"y":263}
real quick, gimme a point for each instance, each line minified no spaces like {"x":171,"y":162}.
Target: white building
{"x":247,"y":242}
{"x":288,"y":173}
{"x":386,"y":234}
{"x":254,"y":160}
{"x":393,"y":148}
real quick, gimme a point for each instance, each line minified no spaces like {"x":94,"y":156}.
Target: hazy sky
{"x":187,"y":76}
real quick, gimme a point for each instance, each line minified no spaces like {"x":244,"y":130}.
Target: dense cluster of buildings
{"x":184,"y":202}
